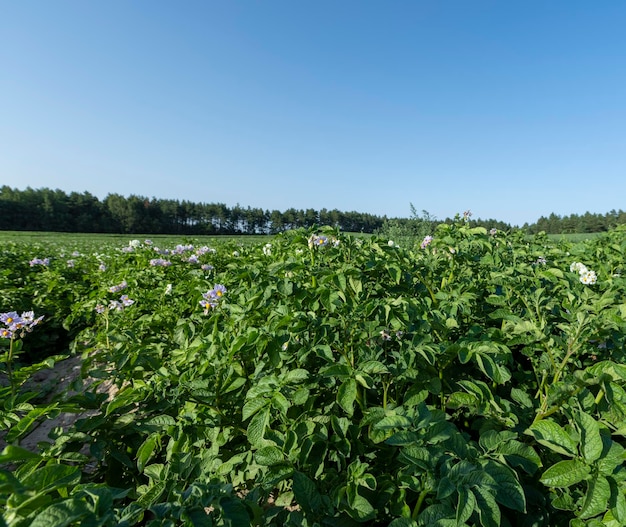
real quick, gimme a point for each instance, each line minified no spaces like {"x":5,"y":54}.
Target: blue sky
{"x":513,"y":109}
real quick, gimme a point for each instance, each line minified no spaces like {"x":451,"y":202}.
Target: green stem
{"x":418,"y":505}
{"x":10,"y":370}
{"x":599,"y":396}
{"x":106,"y":329}
{"x":442,"y":395}
{"x":385,"y":388}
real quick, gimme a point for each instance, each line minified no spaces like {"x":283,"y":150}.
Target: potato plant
{"x":475,"y":379}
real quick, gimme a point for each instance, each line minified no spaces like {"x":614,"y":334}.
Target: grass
{"x":123,"y":239}
{"x":575,"y":237}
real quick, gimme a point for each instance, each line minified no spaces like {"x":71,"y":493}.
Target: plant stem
{"x":418,"y":505}
{"x":10,"y":370}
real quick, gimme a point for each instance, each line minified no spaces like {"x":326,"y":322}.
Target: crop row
{"x":476,"y":378}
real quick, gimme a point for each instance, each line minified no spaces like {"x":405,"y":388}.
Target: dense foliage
{"x":577,"y":223}
{"x":54,"y":210}
{"x":321,"y":379}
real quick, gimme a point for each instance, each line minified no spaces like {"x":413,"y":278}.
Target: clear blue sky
{"x":513,"y":109}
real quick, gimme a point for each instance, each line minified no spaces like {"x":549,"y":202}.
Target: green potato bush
{"x":322,"y":379}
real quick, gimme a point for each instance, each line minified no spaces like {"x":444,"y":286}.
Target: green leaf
{"x":590,"y":439}
{"x":395,"y":272}
{"x":364,"y":380}
{"x":26,"y":422}
{"x":488,"y":509}
{"x":235,"y":512}
{"x":521,"y":455}
{"x":146,"y":450}
{"x":356,"y":285}
{"x":465,"y":505}
{"x":495,"y":372}
{"x":61,"y":514}
{"x":51,"y":477}
{"x":296,"y":376}
{"x":123,"y":398}
{"x":306,"y":493}
{"x":252,"y":406}
{"x":521,"y":397}
{"x":336,"y":370}
{"x":617,"y":502}
{"x":346,"y":395}
{"x":12,"y":453}
{"x":509,"y":491}
{"x":373,"y":367}
{"x":268,"y":456}
{"x":9,"y":483}
{"x":237,"y":383}
{"x":393,"y":421}
{"x":460,"y":399}
{"x":403,"y":522}
{"x":435,"y":514}
{"x":257,"y":426}
{"x":361,"y":509}
{"x":153,"y":493}
{"x":565,"y":473}
{"x":596,"y":498}
{"x":281,"y":403}
{"x":159,"y":422}
{"x":551,"y":435}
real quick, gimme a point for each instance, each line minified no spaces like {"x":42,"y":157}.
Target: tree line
{"x":55,"y":210}
{"x":45,"y":209}
{"x":575,"y":223}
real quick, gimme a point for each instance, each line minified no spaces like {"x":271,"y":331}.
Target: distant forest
{"x":57,"y":211}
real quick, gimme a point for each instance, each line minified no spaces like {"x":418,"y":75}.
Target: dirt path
{"x":52,"y":383}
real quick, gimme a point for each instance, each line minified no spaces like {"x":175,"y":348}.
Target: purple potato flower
{"x":160,"y":262}
{"x":211,"y":298}
{"x":14,"y":323}
{"x":119,"y":287}
{"x":38,"y":261}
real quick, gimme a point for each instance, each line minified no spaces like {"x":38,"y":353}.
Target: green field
{"x":314,"y":378}
{"x":121,"y":239}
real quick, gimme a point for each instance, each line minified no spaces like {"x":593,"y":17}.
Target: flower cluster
{"x":117,"y":305}
{"x":160,"y":262}
{"x":267,"y":249}
{"x":204,"y":250}
{"x":426,"y":242}
{"x":587,"y":276}
{"x":322,"y":241}
{"x":180,"y":249}
{"x":386,"y":335}
{"x":211,"y":299}
{"x":119,"y":287}
{"x":120,"y":304}
{"x":38,"y":261}
{"x":14,"y":323}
